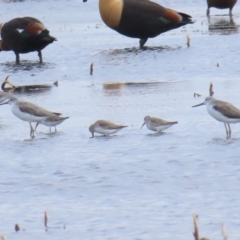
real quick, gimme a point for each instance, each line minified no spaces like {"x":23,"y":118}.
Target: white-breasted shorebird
{"x":105,"y":127}
{"x":222,"y":111}
{"x":52,"y":121}
{"x":29,"y":112}
{"x":157,"y":124}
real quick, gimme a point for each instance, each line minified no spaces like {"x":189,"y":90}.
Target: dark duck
{"x":24,"y":35}
{"x":141,"y":19}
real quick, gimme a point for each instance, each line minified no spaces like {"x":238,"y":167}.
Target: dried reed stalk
{"x":188,"y":41}
{"x":91,"y":69}
{"x":224,"y":232}
{"x":45,"y":220}
{"x":195,"y":222}
{"x":17,"y":228}
{"x":211,"y":92}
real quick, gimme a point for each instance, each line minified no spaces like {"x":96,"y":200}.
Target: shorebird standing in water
{"x":222,"y":111}
{"x":157,"y":124}
{"x":30,"y":112}
{"x":52,"y":121}
{"x":105,"y":127}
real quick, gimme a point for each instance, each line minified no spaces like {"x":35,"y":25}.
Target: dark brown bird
{"x":221,"y":4}
{"x":24,"y":35}
{"x":141,"y":19}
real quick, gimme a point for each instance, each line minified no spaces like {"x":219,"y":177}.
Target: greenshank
{"x":222,"y":111}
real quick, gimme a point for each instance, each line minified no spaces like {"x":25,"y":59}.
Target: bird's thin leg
{"x":55,"y":129}
{"x":229,"y":132}
{"x":225,"y":125}
{"x":31,"y":130}
{"x":50,"y":129}
{"x":142,"y":42}
{"x":230,"y":11}
{"x":40,"y":56}
{"x":36,"y":127}
{"x":92,"y":134}
{"x":17,"y":58}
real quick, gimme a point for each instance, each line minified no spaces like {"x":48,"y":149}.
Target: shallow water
{"x":133,"y":185}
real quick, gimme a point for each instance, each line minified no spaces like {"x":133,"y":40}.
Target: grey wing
{"x":58,"y":114}
{"x":118,"y":127}
{"x":228,"y":110}
{"x":33,"y":109}
{"x":158,"y":121}
{"x":56,"y":118}
{"x":109,"y":125}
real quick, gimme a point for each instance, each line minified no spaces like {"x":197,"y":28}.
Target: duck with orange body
{"x":24,"y":35}
{"x":221,"y":4}
{"x":141,"y":19}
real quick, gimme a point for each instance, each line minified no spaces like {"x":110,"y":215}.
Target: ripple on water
{"x":115,"y":56}
{"x":25,"y":65}
{"x":128,"y":186}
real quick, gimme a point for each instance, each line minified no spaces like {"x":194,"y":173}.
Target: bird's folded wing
{"x":228,"y":110}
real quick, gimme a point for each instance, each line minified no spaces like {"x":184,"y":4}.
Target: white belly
{"x":51,"y":123}
{"x":220,"y":117}
{"x":157,"y":128}
{"x":105,"y":131}
{"x":26,"y":116}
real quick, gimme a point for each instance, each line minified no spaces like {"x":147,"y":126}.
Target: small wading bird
{"x":157,"y":124}
{"x":105,"y":127}
{"x":222,"y":111}
{"x":141,"y":19}
{"x":52,"y":121}
{"x":24,"y":35}
{"x":30,"y":112}
{"x":221,"y":4}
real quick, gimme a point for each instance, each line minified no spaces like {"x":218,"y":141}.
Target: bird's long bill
{"x":198,"y":105}
{"x":143,"y":125}
{"x":4,"y":103}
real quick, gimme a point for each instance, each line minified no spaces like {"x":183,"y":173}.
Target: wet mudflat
{"x":133,"y":185}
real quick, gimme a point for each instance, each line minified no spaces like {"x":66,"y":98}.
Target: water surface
{"x":133,"y":185}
